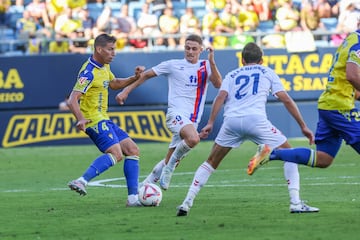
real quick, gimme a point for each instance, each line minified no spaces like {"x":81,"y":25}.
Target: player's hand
{"x":309,"y":134}
{"x":81,"y":124}
{"x":138,"y":71}
{"x":121,"y":97}
{"x":205,"y":131}
{"x":211,"y":54}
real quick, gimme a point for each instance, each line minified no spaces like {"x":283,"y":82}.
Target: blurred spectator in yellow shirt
{"x":169,"y":24}
{"x":76,"y":6}
{"x":219,"y":31}
{"x":26,"y":26}
{"x":310,"y":16}
{"x":287,"y":17}
{"x":248,"y":18}
{"x":189,"y":24}
{"x":54,"y":9}
{"x":65,"y":24}
{"x":59,"y":45}
{"x":216,"y":4}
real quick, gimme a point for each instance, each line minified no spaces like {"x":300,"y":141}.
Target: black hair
{"x":252,"y":53}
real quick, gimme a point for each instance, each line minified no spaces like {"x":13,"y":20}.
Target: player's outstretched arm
{"x":216,"y":106}
{"x":215,"y":77}
{"x":295,"y":112}
{"x":122,"y":96}
{"x":119,"y":83}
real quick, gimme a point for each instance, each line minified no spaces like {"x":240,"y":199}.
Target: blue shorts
{"x":105,"y":134}
{"x":335,"y":126}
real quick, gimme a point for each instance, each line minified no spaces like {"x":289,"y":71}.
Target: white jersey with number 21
{"x":248,"y":88}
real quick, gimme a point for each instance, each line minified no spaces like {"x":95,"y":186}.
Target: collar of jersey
{"x":95,"y":63}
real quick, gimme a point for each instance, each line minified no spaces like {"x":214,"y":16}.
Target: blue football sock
{"x":304,"y":156}
{"x":131,"y":172}
{"x":100,"y":165}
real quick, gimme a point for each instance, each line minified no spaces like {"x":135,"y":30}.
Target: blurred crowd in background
{"x":67,"y":26}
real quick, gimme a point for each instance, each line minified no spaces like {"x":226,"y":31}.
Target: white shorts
{"x":255,"y":128}
{"x":175,"y":122}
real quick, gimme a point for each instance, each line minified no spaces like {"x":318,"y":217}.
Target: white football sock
{"x":201,"y":177}
{"x":292,"y":177}
{"x":181,"y":149}
{"x":154,"y":176}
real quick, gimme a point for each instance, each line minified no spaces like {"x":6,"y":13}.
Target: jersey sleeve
{"x":276,"y":85}
{"x":162,"y":68}
{"x":225,"y":83}
{"x":354,"y":54}
{"x":84,"y":81}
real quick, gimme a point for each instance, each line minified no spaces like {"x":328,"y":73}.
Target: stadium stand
{"x":9,"y":38}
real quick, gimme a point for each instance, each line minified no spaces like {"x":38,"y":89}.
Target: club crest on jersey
{"x":193,"y":79}
{"x":82,"y":80}
{"x":177,"y":120}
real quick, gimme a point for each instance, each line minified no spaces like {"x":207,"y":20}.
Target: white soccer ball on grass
{"x":150,"y":195}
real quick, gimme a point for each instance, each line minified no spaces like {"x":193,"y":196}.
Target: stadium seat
{"x":95,"y":9}
{"x":199,"y":8}
{"x":297,"y":4}
{"x":266,"y":26}
{"x":330,"y":23}
{"x":114,"y":5}
{"x":200,"y":13}
{"x":196,"y":4}
{"x":13,"y":17}
{"x":27,"y":2}
{"x":6,"y":35}
{"x":179,"y":8}
{"x":135,"y":7}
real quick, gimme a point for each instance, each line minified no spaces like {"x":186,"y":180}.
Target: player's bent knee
{"x":133,"y":151}
{"x":323,"y":160}
{"x":192,"y":141}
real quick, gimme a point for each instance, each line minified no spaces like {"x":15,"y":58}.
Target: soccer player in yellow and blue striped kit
{"x":339,"y":119}
{"x":88,"y":101}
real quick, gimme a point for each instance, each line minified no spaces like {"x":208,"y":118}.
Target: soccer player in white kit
{"x":188,"y":80}
{"x":244,"y":92}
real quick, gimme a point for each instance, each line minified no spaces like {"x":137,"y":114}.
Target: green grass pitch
{"x":36,"y":203}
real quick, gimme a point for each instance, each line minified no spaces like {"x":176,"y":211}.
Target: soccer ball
{"x":150,"y":195}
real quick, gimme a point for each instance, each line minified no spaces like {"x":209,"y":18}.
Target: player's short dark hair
{"x":103,"y":39}
{"x":252,"y":53}
{"x":195,"y":38}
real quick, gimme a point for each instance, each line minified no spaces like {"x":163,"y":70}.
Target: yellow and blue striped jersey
{"x":339,"y":93}
{"x":93,"y":81}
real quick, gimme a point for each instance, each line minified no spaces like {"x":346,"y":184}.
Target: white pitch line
{"x":226,"y":183}
{"x":103,"y":182}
